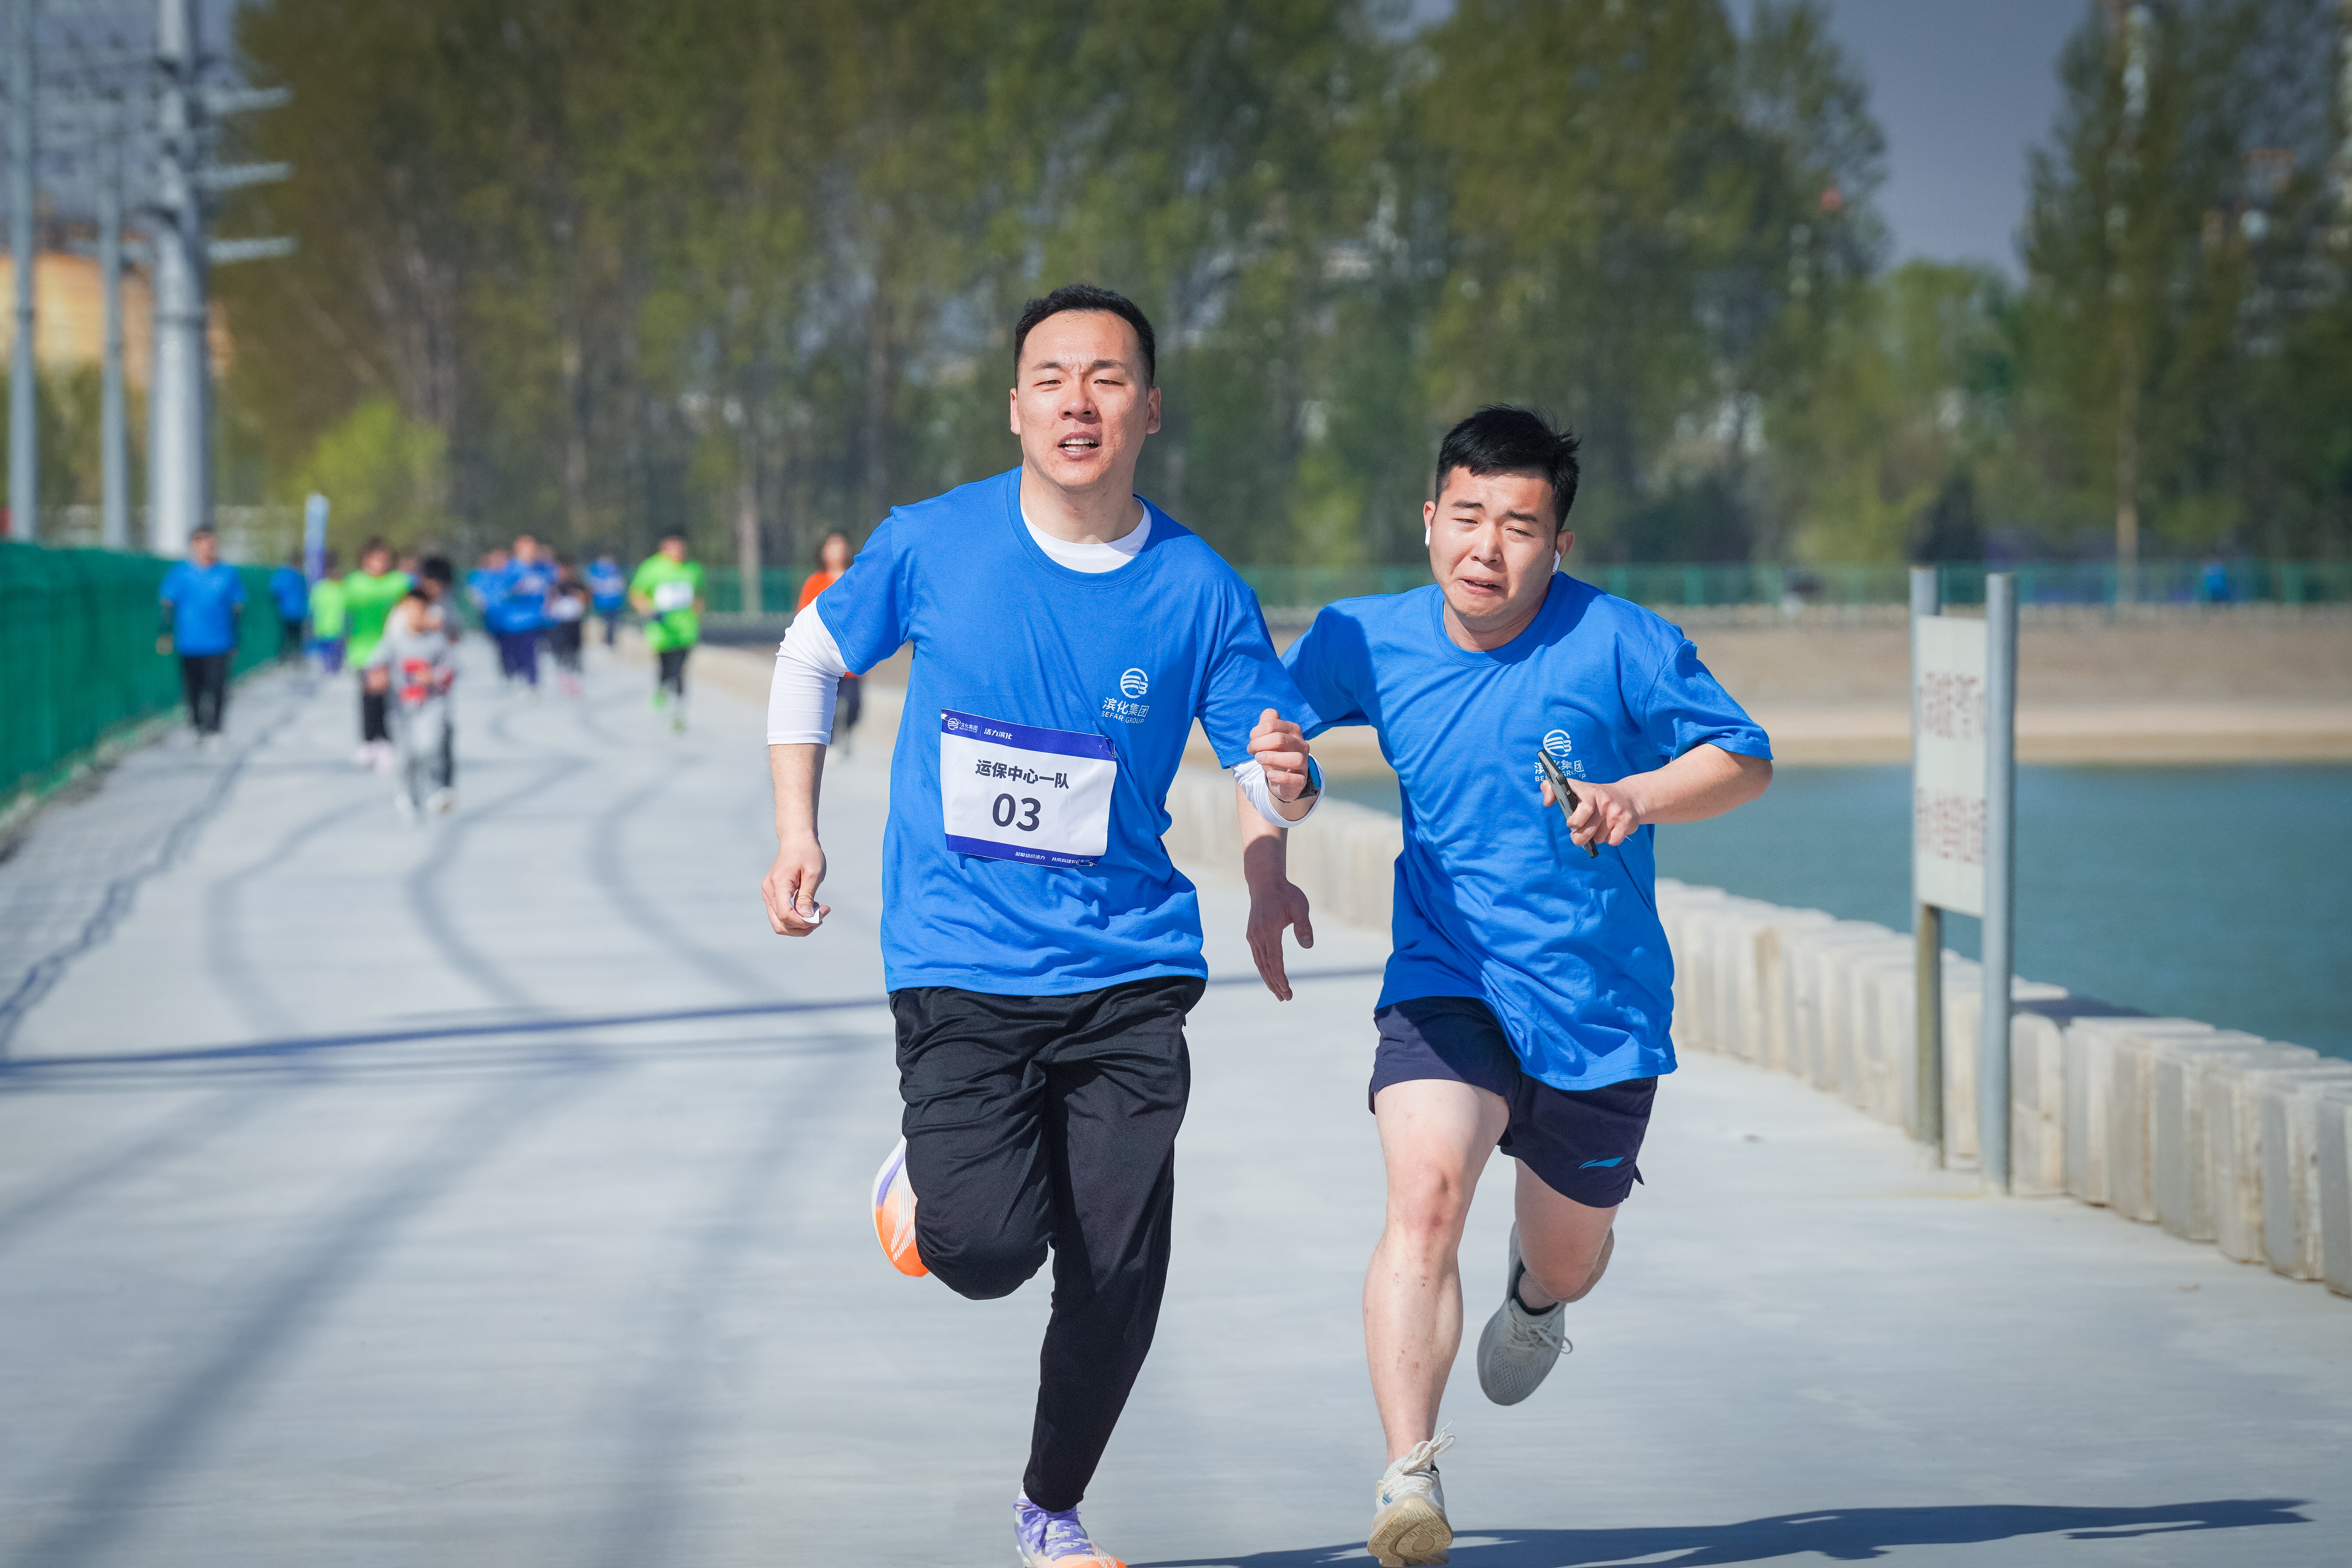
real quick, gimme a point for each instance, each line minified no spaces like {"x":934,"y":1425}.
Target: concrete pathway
{"x":492,"y":1192}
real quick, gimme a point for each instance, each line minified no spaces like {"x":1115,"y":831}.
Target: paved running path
{"x":492,"y":1192}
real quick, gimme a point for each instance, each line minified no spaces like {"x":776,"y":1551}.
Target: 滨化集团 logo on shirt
{"x":1126,"y":707}
{"x":1558,"y":743}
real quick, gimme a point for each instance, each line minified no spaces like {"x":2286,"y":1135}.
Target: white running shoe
{"x":1519,"y":1348}
{"x":441,"y":801}
{"x":1409,"y":1524}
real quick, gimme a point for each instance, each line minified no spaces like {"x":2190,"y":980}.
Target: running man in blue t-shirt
{"x":204,"y":601}
{"x":1040,"y":951}
{"x":1526,"y":1000}
{"x":608,"y":592}
{"x":289,"y":592}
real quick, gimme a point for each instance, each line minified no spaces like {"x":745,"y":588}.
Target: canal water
{"x":2219,"y":893}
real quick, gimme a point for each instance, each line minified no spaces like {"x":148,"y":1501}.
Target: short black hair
{"x":1087,"y":296}
{"x":1501,"y":439}
{"x":437,"y":569}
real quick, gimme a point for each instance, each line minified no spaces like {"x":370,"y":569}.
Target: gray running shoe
{"x":1518,"y":1347}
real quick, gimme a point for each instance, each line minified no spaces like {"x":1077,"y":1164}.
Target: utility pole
{"x":24,"y":388}
{"x":113,"y":441}
{"x":179,"y":431}
{"x":2136,"y":26}
{"x":179,"y":489}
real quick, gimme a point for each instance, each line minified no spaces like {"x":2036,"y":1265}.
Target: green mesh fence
{"x":78,"y":659}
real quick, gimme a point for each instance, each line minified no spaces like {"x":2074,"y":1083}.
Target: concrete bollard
{"x":2131,"y":1106}
{"x":2333,"y":1144}
{"x":2181,"y":1146}
{"x":2291,"y":1105}
{"x":2037,"y":1105}
{"x":1774,"y":991}
{"x":1818,"y":971}
{"x":2235,"y":1135}
{"x":2090,"y":1082}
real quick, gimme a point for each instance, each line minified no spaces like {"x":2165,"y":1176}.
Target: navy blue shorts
{"x":1581,"y":1143}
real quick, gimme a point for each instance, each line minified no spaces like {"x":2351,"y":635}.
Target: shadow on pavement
{"x":1842,"y":1535}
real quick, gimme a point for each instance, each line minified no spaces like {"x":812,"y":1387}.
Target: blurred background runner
{"x":289,"y":593}
{"x":832,"y":559}
{"x":567,"y":615}
{"x":201,"y":598}
{"x":608,"y":590}
{"x":516,"y":613}
{"x":327,"y":616}
{"x":667,"y":592}
{"x":369,"y":595}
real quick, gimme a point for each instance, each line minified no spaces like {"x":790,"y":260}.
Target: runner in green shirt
{"x":667,"y":592}
{"x":369,"y":595}
{"x":327,"y":616}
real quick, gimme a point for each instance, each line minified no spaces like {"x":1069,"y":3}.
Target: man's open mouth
{"x":1077,"y":444}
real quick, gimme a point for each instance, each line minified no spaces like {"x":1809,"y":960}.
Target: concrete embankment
{"x":2217,"y":1136}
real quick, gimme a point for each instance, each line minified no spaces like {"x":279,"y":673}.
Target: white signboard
{"x":1947,"y":762}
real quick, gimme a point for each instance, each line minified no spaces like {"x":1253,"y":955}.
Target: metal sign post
{"x":2000,"y":951}
{"x":314,"y":536}
{"x":1926,"y":919}
{"x":1963,"y":779}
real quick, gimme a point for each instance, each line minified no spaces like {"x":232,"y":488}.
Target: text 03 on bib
{"x":1011,"y":792}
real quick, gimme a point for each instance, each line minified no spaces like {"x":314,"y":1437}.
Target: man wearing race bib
{"x":667,"y":593}
{"x":1527,"y":1002}
{"x":1040,"y":951}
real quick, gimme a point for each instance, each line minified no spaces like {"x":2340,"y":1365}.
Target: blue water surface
{"x":2222,"y":893}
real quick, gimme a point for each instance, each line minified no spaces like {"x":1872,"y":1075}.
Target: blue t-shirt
{"x":291,"y":592}
{"x":607,"y":589}
{"x":1492,"y":899}
{"x":204,"y":600}
{"x":518,"y":597}
{"x":1120,"y":662}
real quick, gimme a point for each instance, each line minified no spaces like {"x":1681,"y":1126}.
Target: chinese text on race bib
{"x":1010,"y":792}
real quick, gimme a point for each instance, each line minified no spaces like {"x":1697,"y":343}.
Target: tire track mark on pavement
{"x":225,"y":961}
{"x":605,"y":858}
{"x":191,"y":1128}
{"x":424,"y":897}
{"x":114,"y":1498}
{"x":667,"y":1419}
{"x":122,"y":892}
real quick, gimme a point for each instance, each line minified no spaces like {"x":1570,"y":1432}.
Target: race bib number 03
{"x":1009,"y":792}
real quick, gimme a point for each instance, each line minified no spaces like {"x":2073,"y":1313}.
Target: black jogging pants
{"x":1038,"y":1121}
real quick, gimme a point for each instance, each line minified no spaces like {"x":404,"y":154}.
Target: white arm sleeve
{"x":808,"y":678}
{"x":1251,"y":777}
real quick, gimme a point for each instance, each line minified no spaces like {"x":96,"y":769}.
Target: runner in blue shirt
{"x":1040,"y":950}
{"x":608,"y":592}
{"x":202,"y":600}
{"x":1526,"y":1001}
{"x":289,"y":592}
{"x":516,"y":613}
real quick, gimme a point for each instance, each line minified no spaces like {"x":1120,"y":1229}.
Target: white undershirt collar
{"x":1092,"y":558}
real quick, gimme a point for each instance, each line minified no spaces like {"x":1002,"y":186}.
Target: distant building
{"x":70,"y":319}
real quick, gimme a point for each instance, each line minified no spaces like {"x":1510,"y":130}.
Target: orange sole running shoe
{"x":894,"y":1214}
